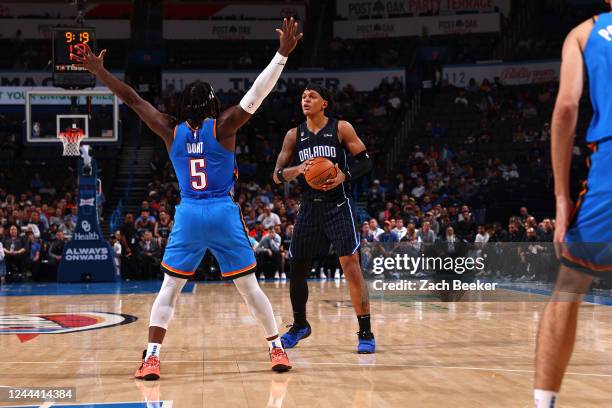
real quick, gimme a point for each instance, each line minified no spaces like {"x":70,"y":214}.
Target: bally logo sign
{"x":29,"y":326}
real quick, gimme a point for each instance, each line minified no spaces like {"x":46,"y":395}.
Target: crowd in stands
{"x":33,"y":230}
{"x":33,"y":233}
{"x":442,"y":191}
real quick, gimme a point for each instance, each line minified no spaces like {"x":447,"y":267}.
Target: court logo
{"x":29,"y":326}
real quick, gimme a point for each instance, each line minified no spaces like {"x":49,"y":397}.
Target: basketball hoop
{"x":71,"y":139}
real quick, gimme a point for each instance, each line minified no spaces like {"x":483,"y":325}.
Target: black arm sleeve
{"x":362,"y":166}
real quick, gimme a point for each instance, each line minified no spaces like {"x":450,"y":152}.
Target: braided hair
{"x":196,"y":103}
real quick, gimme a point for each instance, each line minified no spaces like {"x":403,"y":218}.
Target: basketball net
{"x":71,"y":139}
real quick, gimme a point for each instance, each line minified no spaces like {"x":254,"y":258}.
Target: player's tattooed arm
{"x":158,"y":122}
{"x":350,"y":140}
{"x":348,"y":137}
{"x":282,"y":173}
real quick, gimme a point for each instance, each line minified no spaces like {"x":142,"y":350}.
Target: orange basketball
{"x":321,"y":170}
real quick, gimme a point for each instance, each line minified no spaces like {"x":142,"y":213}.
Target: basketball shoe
{"x":279,"y":360}
{"x":149,"y":369}
{"x":295,"y":334}
{"x":366,"y":344}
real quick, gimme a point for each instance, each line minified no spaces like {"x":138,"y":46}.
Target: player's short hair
{"x":196,"y":103}
{"x":325,"y":94}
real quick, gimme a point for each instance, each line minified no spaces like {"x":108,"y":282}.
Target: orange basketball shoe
{"x":149,"y":369}
{"x":279,"y":360}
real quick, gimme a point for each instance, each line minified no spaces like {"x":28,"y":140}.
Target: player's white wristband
{"x":263,"y":85}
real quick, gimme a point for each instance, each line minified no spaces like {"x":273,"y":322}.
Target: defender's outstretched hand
{"x":85,"y":56}
{"x":288,"y":37}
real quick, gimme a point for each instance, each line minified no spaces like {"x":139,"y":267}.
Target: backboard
{"x":52,"y":111}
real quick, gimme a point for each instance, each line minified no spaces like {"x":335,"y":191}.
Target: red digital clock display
{"x":66,"y":41}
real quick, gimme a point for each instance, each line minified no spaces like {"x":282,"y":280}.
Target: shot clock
{"x":66,"y":73}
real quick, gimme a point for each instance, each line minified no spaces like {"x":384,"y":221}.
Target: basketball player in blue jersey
{"x":326,"y":216}
{"x":583,"y":232}
{"x":201,"y":142}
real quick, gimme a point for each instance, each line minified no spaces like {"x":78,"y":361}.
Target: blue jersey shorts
{"x":589,"y":237}
{"x":215,"y":224}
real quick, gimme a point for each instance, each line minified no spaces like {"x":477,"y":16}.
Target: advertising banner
{"x":220,"y":29}
{"x":361,"y":80}
{"x":36,"y":29}
{"x":360,"y":9}
{"x":32,"y":78}
{"x":124,"y":9}
{"x":417,"y":26}
{"x":15,"y":84}
{"x":509,"y":74}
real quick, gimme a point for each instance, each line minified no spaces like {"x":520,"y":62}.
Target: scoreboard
{"x":66,"y":73}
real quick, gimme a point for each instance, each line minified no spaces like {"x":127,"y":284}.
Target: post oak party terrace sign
{"x":359,"y":9}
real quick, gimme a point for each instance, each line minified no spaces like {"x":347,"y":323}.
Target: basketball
{"x":321,"y":170}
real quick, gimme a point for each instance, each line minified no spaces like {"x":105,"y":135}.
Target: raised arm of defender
{"x":230,"y":121}
{"x":235,"y":117}
{"x":158,"y":122}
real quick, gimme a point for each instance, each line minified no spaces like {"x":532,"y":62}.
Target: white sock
{"x":258,"y":303}
{"x":153,"y":350}
{"x":276,"y":343}
{"x":544,"y":399}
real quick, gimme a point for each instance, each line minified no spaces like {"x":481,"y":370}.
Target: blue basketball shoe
{"x":367,"y":344}
{"x":294,"y":335}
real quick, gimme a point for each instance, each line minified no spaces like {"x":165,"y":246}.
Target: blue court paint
{"x":71,"y":289}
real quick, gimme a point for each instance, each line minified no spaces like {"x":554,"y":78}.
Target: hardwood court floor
{"x":429,"y":354}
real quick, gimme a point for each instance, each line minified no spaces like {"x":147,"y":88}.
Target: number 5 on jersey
{"x":197,"y":172}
